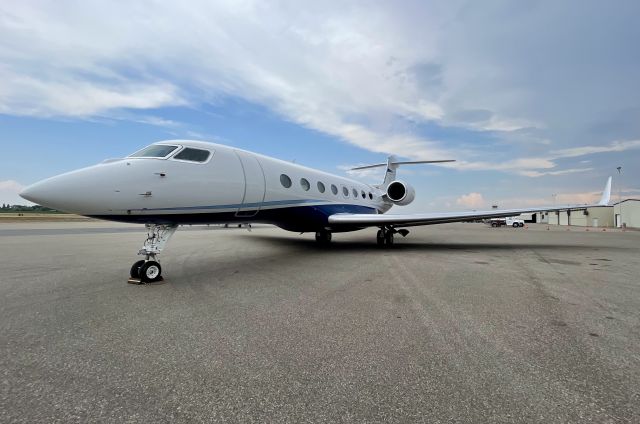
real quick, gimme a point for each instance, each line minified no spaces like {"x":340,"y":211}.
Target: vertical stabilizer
{"x":606,"y":194}
{"x":390,"y":175}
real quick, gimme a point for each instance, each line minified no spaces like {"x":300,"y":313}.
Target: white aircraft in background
{"x":178,"y":182}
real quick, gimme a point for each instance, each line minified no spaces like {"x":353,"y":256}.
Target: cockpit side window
{"x":193,"y":155}
{"x":154,"y":151}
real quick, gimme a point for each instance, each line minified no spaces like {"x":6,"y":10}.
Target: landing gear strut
{"x":149,"y":270}
{"x":323,"y":237}
{"x":385,"y":235}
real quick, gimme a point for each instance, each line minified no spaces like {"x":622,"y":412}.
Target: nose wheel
{"x":151,"y":272}
{"x":148,"y":270}
{"x":135,"y":269}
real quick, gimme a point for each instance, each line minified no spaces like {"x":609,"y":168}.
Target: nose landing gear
{"x":149,"y":270}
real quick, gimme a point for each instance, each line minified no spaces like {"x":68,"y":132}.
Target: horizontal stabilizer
{"x":396,"y":163}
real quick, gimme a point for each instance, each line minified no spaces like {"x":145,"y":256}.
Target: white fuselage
{"x":232,"y":185}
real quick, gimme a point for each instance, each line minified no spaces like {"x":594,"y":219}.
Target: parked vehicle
{"x":507,"y":222}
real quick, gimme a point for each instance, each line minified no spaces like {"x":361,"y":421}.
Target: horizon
{"x":537,"y":102}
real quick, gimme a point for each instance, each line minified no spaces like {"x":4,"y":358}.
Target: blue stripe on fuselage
{"x":236,"y":206}
{"x":294,"y":218}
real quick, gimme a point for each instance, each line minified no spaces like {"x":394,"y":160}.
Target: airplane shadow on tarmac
{"x":305,"y":248}
{"x":409,"y":245}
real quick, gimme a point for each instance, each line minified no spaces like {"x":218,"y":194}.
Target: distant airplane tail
{"x":392,"y":164}
{"x":606,"y":194}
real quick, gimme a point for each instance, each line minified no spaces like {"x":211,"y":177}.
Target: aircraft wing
{"x":409,"y":220}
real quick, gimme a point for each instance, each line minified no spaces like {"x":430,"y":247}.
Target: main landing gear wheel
{"x":150,"y":272}
{"x":380,"y":239}
{"x":135,"y":269}
{"x":323,"y":237}
{"x":385,"y":237}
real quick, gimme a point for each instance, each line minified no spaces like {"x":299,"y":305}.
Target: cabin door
{"x":254,"y":185}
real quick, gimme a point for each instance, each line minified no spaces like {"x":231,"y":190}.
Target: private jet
{"x":182,"y":182}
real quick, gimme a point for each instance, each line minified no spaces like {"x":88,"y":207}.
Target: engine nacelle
{"x":400,"y":193}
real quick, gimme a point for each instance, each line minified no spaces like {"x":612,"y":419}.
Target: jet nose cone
{"x":50,"y":193}
{"x":32,"y":193}
{"x":81,"y":191}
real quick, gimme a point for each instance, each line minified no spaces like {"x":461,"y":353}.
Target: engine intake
{"x":400,"y":193}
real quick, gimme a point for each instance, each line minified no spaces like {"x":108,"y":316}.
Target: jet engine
{"x":400,"y":193}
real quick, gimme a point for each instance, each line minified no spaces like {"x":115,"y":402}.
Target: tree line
{"x":7,"y":208}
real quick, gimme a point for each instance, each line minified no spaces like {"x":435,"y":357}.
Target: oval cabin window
{"x":320,"y":187}
{"x":285,"y":181}
{"x":304,"y":183}
{"x":334,"y":189}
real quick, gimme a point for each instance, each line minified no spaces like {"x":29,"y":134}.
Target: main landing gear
{"x":148,"y":270}
{"x":385,"y":235}
{"x":323,"y":237}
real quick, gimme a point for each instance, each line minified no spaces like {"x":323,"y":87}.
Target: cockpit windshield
{"x":193,"y":155}
{"x":154,"y":151}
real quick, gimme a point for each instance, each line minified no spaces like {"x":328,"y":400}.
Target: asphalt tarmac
{"x":455,"y":323}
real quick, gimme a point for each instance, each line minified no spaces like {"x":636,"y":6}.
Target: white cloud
{"x":615,"y":146}
{"x":367,"y":73}
{"x":9,"y":190}
{"x":24,"y":95}
{"x":578,"y":198}
{"x":471,"y":201}
{"x":11,"y":185}
{"x":559,"y":172}
{"x":351,"y":73}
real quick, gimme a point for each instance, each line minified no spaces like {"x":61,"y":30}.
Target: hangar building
{"x":597,"y":216}
{"x":627,"y":212}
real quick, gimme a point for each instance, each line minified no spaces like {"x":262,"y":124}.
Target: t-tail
{"x":392,"y":165}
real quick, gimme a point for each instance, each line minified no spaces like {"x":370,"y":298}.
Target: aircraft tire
{"x":388,"y":239}
{"x":135,"y":269}
{"x":380,"y":238}
{"x":150,"y":271}
{"x":323,"y":237}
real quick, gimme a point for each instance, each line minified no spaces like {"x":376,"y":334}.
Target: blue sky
{"x":532,"y":98}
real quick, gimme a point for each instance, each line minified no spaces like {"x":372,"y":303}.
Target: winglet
{"x":606,"y":194}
